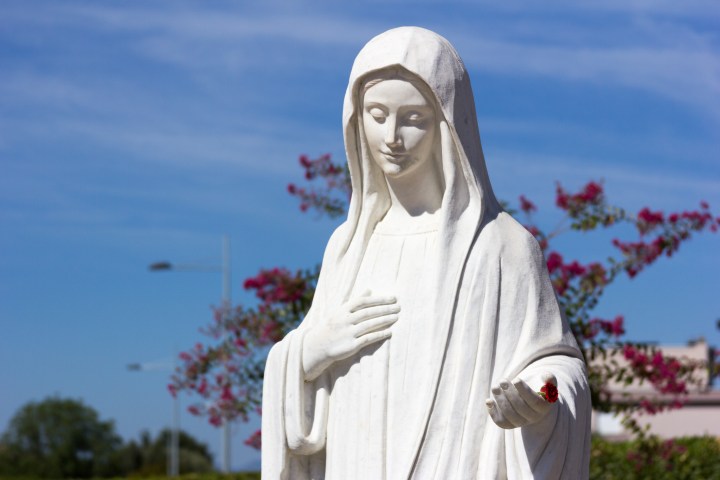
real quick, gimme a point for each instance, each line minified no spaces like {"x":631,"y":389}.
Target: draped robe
{"x":489,"y":312}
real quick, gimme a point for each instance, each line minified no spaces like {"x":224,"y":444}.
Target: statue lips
{"x":394,"y":157}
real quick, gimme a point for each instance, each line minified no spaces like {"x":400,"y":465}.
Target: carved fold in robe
{"x":484,"y":305}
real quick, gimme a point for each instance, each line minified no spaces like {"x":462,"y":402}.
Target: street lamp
{"x":224,"y":268}
{"x":173,"y":464}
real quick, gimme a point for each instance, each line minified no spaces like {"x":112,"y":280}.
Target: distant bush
{"x":689,"y":458}
{"x":188,"y":476}
{"x":147,"y":457}
{"x":58,"y":438}
{"x":206,"y":476}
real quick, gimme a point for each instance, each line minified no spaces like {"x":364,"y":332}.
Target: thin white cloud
{"x":231,"y":25}
{"x":43,"y":90}
{"x":121,"y":119}
{"x":257,"y":150}
{"x":683,"y":9}
{"x":665,"y":57}
{"x":663,"y":189}
{"x":682,"y":75}
{"x":679,"y":150}
{"x":77,"y":95}
{"x":673,"y":8}
{"x":688,"y":70}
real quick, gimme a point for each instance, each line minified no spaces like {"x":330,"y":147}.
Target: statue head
{"x":400,"y":123}
{"x":427,"y":62}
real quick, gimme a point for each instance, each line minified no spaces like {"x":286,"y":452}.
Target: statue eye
{"x":378,"y":114}
{"x":415,"y":118}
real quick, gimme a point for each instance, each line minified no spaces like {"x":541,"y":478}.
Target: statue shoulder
{"x":335,"y":242}
{"x":506,"y":238}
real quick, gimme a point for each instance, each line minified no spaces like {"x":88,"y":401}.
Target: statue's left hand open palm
{"x":514,"y":404}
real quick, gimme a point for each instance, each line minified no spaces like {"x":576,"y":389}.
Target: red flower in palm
{"x":549,"y":392}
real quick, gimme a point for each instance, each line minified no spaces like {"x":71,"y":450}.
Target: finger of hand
{"x":497,"y":415}
{"x":518,"y":402}
{"x":549,"y":377}
{"x":531,"y":397}
{"x":370,"y":338}
{"x":504,"y":405}
{"x":364,"y":302}
{"x":373,"y":312}
{"x":378,"y":323}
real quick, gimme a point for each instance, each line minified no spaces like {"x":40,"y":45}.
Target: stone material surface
{"x":434,"y":321}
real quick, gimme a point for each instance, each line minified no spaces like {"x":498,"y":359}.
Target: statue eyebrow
{"x":375,"y":105}
{"x":419,"y":108}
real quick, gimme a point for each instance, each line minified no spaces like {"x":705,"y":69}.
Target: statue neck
{"x":415,"y":195}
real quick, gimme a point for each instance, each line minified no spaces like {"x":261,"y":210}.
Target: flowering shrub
{"x":254,"y":440}
{"x":640,"y":459}
{"x":228,"y":374}
{"x":332,"y":197}
{"x":580,"y":286}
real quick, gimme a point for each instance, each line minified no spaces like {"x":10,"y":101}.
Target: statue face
{"x":400,"y":126}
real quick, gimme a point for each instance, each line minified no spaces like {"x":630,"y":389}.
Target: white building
{"x":700,"y":414}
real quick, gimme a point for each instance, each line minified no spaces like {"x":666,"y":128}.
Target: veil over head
{"x":468,"y":197}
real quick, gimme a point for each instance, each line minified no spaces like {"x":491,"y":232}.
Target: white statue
{"x":434,"y":322}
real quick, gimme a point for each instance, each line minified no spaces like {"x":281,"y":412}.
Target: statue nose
{"x":392,"y":139}
{"x":395,"y":143}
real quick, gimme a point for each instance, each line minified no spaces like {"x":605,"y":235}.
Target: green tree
{"x":149,"y":456}
{"x":59,"y":438}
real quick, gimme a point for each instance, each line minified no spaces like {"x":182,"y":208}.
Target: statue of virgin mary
{"x":434,"y":322}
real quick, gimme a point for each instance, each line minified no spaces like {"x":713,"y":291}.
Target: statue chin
{"x":391,"y":168}
{"x":434,"y":323}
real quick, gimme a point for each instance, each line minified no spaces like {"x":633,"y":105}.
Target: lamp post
{"x":224,"y":268}
{"x":173,"y":464}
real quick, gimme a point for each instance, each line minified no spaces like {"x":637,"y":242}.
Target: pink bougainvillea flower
{"x":254,"y":440}
{"x":526,"y":205}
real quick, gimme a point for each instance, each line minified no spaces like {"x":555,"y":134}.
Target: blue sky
{"x":132,"y":132}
